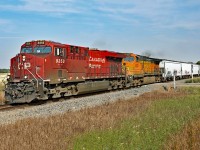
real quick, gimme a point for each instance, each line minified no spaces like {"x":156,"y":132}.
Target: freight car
{"x":180,"y":70}
{"x":196,"y":70}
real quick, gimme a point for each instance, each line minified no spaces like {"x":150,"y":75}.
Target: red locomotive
{"x":47,"y":69}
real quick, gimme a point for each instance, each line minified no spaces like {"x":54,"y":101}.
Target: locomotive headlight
{"x":25,"y":77}
{"x":23,"y":58}
{"x":8,"y":77}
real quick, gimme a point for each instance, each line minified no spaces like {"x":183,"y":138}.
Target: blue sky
{"x":165,"y":28}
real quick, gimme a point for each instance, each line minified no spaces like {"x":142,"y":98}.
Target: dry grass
{"x":188,"y":138}
{"x":1,"y":98}
{"x":2,"y":77}
{"x":2,"y":82}
{"x":195,"y":80}
{"x":1,"y":94}
{"x":57,"y":132}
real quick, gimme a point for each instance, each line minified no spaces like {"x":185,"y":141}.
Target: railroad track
{"x":6,"y":107}
{"x":13,"y":107}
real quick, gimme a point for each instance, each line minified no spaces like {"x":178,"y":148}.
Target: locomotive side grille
{"x":59,"y":73}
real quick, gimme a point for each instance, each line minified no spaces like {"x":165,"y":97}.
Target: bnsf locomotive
{"x":46,"y":70}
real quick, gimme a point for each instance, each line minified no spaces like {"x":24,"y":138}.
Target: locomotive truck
{"x":47,"y":70}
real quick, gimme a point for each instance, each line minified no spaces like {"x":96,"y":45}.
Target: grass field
{"x":195,"y":80}
{"x":151,"y":121}
{"x":188,"y":138}
{"x":148,"y":130}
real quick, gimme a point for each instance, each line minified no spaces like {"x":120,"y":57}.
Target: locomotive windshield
{"x":26,"y":50}
{"x":37,"y":50}
{"x":42,"y":50}
{"x":130,"y":59}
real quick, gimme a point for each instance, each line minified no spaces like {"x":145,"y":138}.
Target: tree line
{"x":4,"y":70}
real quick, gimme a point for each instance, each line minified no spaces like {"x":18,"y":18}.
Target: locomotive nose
{"x":24,"y":65}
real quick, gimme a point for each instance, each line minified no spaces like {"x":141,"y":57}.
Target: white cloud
{"x":145,"y":7}
{"x":137,"y":12}
{"x":4,"y":21}
{"x":11,"y":37}
{"x":45,"y":6}
{"x":192,"y":25}
{"x":159,"y":14}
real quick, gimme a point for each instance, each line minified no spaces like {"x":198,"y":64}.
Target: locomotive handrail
{"x":33,"y":76}
{"x":39,"y":76}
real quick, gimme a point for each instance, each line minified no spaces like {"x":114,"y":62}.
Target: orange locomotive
{"x":141,"y":70}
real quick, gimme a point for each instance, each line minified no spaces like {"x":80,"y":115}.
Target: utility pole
{"x":175,"y":73}
{"x":192,"y":73}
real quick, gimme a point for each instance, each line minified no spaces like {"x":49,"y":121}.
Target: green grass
{"x":1,"y":87}
{"x":149,"y":130}
{"x":195,"y":80}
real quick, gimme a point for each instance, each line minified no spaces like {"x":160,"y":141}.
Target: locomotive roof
{"x":150,"y":58}
{"x":178,"y":61}
{"x":109,"y":53}
{"x":112,"y":52}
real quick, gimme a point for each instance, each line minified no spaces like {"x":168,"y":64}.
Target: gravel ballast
{"x":56,"y":108}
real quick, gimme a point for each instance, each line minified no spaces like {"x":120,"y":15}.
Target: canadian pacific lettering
{"x":102,"y":60}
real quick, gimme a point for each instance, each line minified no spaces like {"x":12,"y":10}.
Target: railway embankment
{"x":74,"y":104}
{"x":145,"y":118}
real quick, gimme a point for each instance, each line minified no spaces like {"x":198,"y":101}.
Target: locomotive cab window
{"x":130,"y":59}
{"x":26,"y":50}
{"x":42,"y":50}
{"x":59,"y":52}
